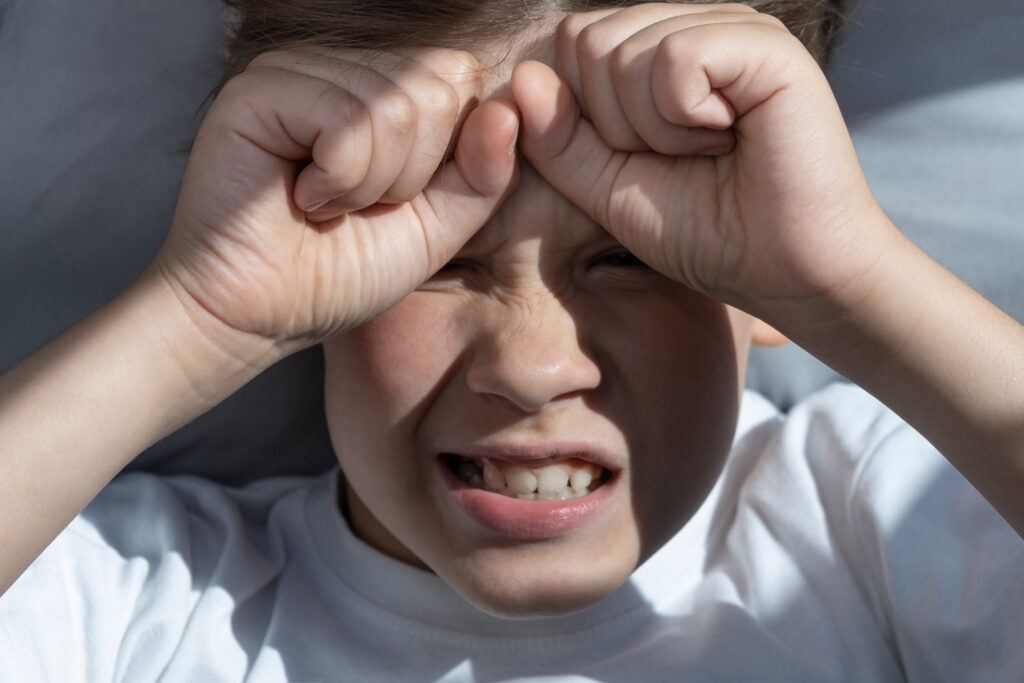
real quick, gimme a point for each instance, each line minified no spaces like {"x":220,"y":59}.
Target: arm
{"x":277,"y":242}
{"x":945,"y":359}
{"x":78,"y":410}
{"x":718,"y":155}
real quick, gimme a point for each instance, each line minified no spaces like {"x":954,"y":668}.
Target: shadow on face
{"x":542,"y":339}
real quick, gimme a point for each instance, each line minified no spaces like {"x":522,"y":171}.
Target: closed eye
{"x":620,"y":258}
{"x":457,"y":274}
{"x":453,"y":267}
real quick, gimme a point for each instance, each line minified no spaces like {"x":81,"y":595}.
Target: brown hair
{"x":265,"y":25}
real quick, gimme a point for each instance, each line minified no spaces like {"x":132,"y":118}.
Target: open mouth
{"x":560,"y":480}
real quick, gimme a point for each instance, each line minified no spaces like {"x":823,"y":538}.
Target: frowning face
{"x":539,"y":417}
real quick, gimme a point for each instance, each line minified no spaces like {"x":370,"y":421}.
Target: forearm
{"x":945,"y":359}
{"x":79,"y":409}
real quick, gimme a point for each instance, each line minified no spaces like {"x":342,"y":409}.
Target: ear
{"x":766,"y":335}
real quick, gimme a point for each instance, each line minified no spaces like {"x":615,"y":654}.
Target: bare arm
{"x":941,"y":356}
{"x":79,"y":409}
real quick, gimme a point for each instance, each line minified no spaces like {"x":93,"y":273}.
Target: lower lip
{"x":527,"y":519}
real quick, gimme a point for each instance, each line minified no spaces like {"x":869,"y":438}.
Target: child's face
{"x":542,"y":343}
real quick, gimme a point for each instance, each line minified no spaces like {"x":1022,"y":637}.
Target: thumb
{"x":641,"y":198}
{"x":562,"y":145}
{"x":464,"y":194}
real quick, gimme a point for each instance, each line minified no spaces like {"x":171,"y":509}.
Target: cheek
{"x":390,"y":366}
{"x":678,"y":363}
{"x":380,"y":380}
{"x":671,"y":353}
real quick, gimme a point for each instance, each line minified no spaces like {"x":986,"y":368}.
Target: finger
{"x":567,"y":150}
{"x":590,"y":52}
{"x":320,"y":102}
{"x":392,"y":249}
{"x":445,"y":85}
{"x":466,"y":192}
{"x":718,"y":77}
{"x":563,"y":146}
{"x":577,"y":47}
{"x":293,"y":116}
{"x":640,"y":88}
{"x":414,"y":101}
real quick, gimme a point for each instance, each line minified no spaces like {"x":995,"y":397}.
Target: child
{"x":521,"y":407}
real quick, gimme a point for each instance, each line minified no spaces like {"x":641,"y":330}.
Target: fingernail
{"x":313,"y":207}
{"x":515,"y":141}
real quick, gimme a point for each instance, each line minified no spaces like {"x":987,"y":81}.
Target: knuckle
{"x":284,"y":60}
{"x":461,"y":65}
{"x":677,"y":48}
{"x":264,"y":59}
{"x":235,"y":98}
{"x":737,"y":7}
{"x":445,"y":101}
{"x":569,"y":28}
{"x":235,"y":87}
{"x":590,"y":43}
{"x":622,"y":61}
{"x":774,"y":22}
{"x":399,"y":114}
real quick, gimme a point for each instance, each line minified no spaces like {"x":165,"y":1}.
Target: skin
{"x":325,"y":189}
{"x":533,"y":334}
{"x":542,"y":329}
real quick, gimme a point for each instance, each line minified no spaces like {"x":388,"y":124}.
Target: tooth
{"x":520,"y":480}
{"x":469,"y":473}
{"x":494,"y":480}
{"x":581,"y":479}
{"x":551,"y":481}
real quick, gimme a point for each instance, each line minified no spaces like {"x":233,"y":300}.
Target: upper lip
{"x":537,"y":454}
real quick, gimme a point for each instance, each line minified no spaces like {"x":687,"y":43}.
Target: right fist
{"x":325,"y":186}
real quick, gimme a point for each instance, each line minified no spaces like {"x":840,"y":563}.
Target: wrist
{"x":78,"y":410}
{"x":210,"y":359}
{"x":835,"y":297}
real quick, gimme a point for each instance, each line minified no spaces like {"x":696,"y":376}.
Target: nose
{"x":531,"y":356}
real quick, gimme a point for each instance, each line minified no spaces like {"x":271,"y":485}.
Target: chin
{"x":528,"y":583}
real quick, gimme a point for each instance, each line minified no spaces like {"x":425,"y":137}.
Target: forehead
{"x":535,"y":211}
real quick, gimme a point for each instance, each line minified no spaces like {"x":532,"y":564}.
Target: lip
{"x":529,"y":519}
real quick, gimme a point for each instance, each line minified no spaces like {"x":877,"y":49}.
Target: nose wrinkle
{"x":532,"y":357}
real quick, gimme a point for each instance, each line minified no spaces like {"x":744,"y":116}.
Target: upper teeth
{"x":556,"y":481}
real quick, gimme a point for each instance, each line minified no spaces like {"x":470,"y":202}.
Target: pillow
{"x":100,"y":99}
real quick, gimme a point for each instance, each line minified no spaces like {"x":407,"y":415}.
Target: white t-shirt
{"x":836,"y":546}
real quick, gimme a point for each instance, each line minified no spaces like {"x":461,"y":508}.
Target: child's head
{"x":541,"y":356}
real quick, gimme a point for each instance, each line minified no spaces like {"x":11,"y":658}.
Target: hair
{"x":267,"y":25}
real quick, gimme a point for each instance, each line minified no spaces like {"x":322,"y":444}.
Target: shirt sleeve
{"x":153,"y":567}
{"x":82,"y":604}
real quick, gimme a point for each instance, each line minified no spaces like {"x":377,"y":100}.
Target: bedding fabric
{"x":836,"y":546}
